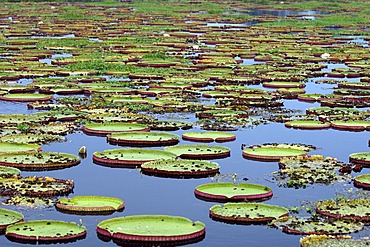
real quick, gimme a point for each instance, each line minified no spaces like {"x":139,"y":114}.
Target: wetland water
{"x":153,"y":195}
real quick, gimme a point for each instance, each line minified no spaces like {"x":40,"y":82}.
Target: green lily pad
{"x":299,"y":225}
{"x":26,"y":97}
{"x":143,"y":138}
{"x":169,"y":125}
{"x":307,"y":124}
{"x":180,"y":168}
{"x":284,"y":84}
{"x":32,"y":138}
{"x":39,"y":161}
{"x":7,"y":147}
{"x":199,"y":151}
{"x":129,"y":157}
{"x":247,"y":213}
{"x":330,"y":241}
{"x":352,"y":125}
{"x":233,"y":192}
{"x":35,"y":186}
{"x":209,"y":136}
{"x":151,"y":228}
{"x":45,"y":231}
{"x":9,"y":217}
{"x":7,"y":172}
{"x":90,"y":205}
{"x":275,"y":151}
{"x":104,"y":129}
{"x":299,"y":171}
{"x":357,"y":209}
{"x":362,"y":181}
{"x":362,"y":158}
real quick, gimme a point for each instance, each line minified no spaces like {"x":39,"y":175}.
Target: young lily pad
{"x":299,"y":171}
{"x":36,"y":186}
{"x":209,"y":136}
{"x":362,"y":158}
{"x":275,"y":151}
{"x":9,"y":217}
{"x":129,"y":157}
{"x":307,"y":124}
{"x":39,"y":161}
{"x":7,"y":172}
{"x":180,"y":168}
{"x":247,"y":213}
{"x":103,"y":129}
{"x":143,"y":138}
{"x":45,"y":231}
{"x":357,"y":209}
{"x":362,"y":181}
{"x":233,"y":192}
{"x":7,"y":147}
{"x":90,"y":205}
{"x":299,"y":225}
{"x":331,"y":241}
{"x":152,"y":228}
{"x":200,"y":151}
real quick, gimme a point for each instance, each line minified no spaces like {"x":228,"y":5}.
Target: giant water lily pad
{"x":90,"y":205}
{"x":25,"y":97}
{"x":170,"y":125}
{"x":331,"y":241}
{"x":45,"y":231}
{"x":200,"y":151}
{"x":7,"y":172}
{"x":129,"y":157}
{"x":233,"y":192}
{"x":36,"y":186}
{"x":107,"y":128}
{"x":362,"y":158}
{"x":247,"y":213}
{"x":300,"y":171}
{"x":8,"y":217}
{"x":143,"y":138}
{"x":152,"y":228}
{"x":362,"y":181}
{"x":7,"y":147}
{"x":31,"y":138}
{"x":210,"y":136}
{"x":39,"y":160}
{"x":275,"y":151}
{"x":180,"y":168}
{"x":299,"y":225}
{"x":357,"y":209}
{"x":352,"y":125}
{"x":307,"y":124}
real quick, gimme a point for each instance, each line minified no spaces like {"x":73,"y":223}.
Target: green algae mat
{"x":233,"y":192}
{"x":151,"y":228}
{"x":45,"y":231}
{"x":90,"y":205}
